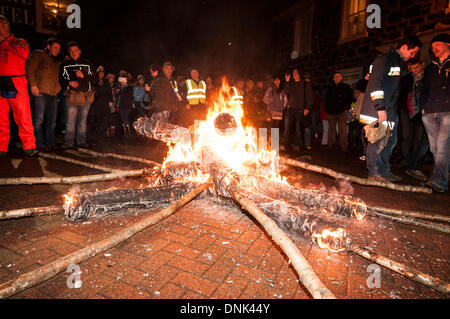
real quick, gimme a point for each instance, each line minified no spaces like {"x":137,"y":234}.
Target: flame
{"x":234,"y":148}
{"x":333,"y":240}
{"x":358,"y":208}
{"x":68,"y":200}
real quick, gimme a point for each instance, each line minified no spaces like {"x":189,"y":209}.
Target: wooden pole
{"x":32,"y":211}
{"x":77,"y":162}
{"x":46,"y":272}
{"x":119,"y":156}
{"x":354,"y":179}
{"x":305,"y":272}
{"x":404,"y":270}
{"x":413,"y":214}
{"x":72,"y":179}
{"x":411,"y":221}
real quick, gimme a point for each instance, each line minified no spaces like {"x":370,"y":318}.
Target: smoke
{"x":343,"y":188}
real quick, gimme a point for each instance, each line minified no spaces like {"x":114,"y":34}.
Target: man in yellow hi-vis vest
{"x":196,"y":97}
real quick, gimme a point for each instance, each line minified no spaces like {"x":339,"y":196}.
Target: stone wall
{"x":398,"y":17}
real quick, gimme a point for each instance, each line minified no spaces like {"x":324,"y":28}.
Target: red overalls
{"x":13,"y":54}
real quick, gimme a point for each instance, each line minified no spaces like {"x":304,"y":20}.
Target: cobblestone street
{"x":208,"y":250}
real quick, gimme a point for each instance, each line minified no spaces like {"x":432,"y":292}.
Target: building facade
{"x":321,"y":36}
{"x":36,"y":20}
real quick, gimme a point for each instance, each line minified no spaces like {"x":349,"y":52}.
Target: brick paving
{"x":207,"y":250}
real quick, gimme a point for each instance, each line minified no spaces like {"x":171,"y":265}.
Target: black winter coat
{"x":68,"y":70}
{"x":339,"y":98}
{"x":435,"y":95}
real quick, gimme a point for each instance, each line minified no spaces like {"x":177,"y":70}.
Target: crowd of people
{"x":368,"y":117}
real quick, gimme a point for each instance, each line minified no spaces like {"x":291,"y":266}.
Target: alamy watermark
{"x":74,"y":279}
{"x":74,"y":19}
{"x":374,"y":279}
{"x":373,"y":20}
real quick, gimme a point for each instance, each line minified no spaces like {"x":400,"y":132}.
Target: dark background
{"x":229,"y":37}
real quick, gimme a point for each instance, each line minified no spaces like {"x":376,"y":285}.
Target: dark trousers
{"x":44,"y":120}
{"x":296,"y":120}
{"x":419,"y":145}
{"x":341,"y":121}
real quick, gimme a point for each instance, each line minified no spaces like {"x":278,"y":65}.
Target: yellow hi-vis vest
{"x":196,"y":93}
{"x":236,"y":99}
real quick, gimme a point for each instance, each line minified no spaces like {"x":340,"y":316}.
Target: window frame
{"x":344,"y":30}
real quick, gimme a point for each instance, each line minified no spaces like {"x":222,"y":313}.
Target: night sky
{"x":219,"y":37}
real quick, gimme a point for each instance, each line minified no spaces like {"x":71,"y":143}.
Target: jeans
{"x":44,"y":119}
{"x":437,"y":126}
{"x":378,"y":155}
{"x":76,"y":124}
{"x":296,"y":119}
{"x":125,"y":115}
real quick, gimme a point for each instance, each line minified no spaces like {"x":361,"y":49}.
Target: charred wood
{"x":48,"y":271}
{"x":338,"y":204}
{"x":83,"y":205}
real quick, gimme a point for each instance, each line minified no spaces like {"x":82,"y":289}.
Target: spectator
{"x":77,"y":78}
{"x":276,"y":100}
{"x":357,"y":127}
{"x":165,"y":96}
{"x":325,"y":124}
{"x":337,"y":104}
{"x":103,"y":102}
{"x":300,"y":99}
{"x":43,"y":76}
{"x":417,"y":140}
{"x":315,"y":114}
{"x":380,"y":105}
{"x":195,"y":92}
{"x":210,"y":90}
{"x":14,"y":91}
{"x":141,"y":96}
{"x":436,"y":111}
{"x":154,"y":72}
{"x":124,"y":102}
{"x":114,"y":116}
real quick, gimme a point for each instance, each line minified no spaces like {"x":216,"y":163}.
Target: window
{"x":353,"y":20}
{"x":51,"y":15}
{"x":302,"y":34}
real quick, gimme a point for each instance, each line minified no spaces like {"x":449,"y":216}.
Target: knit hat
{"x":109,"y":75}
{"x":100,"y":69}
{"x":441,"y":37}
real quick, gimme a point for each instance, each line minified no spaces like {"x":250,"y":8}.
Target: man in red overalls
{"x":13,"y":90}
